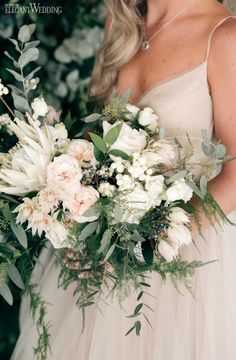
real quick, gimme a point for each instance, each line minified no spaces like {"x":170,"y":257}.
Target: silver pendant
{"x":145,"y":45}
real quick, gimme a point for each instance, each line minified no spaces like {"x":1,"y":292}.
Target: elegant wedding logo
{"x":32,"y":8}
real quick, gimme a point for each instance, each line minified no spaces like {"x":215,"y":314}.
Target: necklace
{"x":145,"y":44}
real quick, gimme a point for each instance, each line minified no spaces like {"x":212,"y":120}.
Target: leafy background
{"x":69,"y":42}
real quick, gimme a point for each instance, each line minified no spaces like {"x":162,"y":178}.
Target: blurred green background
{"x":69,"y":42}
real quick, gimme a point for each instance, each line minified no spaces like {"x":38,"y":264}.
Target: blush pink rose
{"x":82,"y":151}
{"x":86,"y":197}
{"x":64,"y":173}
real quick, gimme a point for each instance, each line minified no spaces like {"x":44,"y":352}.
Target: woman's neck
{"x":162,"y":10}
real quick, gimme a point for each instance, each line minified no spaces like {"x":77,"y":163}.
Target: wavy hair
{"x":120,"y":44}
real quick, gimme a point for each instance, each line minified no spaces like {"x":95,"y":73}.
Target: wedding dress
{"x":184,"y":327}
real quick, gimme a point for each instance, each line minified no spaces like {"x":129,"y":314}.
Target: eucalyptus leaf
{"x":31,"y":44}
{"x":32,"y":73}
{"x":117,"y":212}
{"x":15,"y":89}
{"x":91,"y":212}
{"x":138,"y":327}
{"x":24,"y":34}
{"x":91,"y":118}
{"x":110,"y":252}
{"x":219,"y":151}
{"x":15,"y":276}
{"x":32,"y":28}
{"x":181,"y":174}
{"x":6,"y":293}
{"x":20,"y":103}
{"x":105,"y":242}
{"x":99,"y":142}
{"x":113,"y":134}
{"x":28,"y":56}
{"x":16,"y":75}
{"x":137,"y":237}
{"x":20,"y":235}
{"x":88,"y":230}
{"x":10,"y":57}
{"x":15,"y":42}
{"x":195,"y":189}
{"x":203,"y":185}
{"x":137,"y":309}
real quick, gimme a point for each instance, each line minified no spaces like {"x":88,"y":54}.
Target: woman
{"x":186,"y":72}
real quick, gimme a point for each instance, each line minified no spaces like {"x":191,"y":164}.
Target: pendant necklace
{"x":145,"y":44}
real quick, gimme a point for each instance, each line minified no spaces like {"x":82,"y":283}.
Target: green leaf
{"x":113,"y":134}
{"x":68,"y":121}
{"x":17,"y":76}
{"x":6,"y":211}
{"x":88,"y":230}
{"x":140,"y":295}
{"x":92,"y":118}
{"x":91,"y":212}
{"x":119,"y":153}
{"x":6,"y":293}
{"x":130,"y":330}
{"x":99,"y":142}
{"x":110,"y":252}
{"x":147,"y":252}
{"x":138,"y":327}
{"x":137,"y":237}
{"x":28,"y":56}
{"x":15,"y":276}
{"x":15,"y":89}
{"x":137,"y":309}
{"x":20,"y":235}
{"x":117,"y":212}
{"x":24,"y":34}
{"x":105,"y":242}
{"x":99,"y":156}
{"x":20,"y":103}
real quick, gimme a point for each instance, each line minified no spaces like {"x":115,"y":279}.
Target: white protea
{"x":25,"y":169}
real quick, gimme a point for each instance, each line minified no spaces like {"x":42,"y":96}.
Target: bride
{"x":177,"y":57}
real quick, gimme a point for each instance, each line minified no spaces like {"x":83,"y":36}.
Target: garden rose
{"x":160,"y":152}
{"x":179,"y":191}
{"x":82,"y":151}
{"x":82,"y":200}
{"x":65,"y":173}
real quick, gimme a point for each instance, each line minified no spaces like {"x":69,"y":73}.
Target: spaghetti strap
{"x":213,"y":30}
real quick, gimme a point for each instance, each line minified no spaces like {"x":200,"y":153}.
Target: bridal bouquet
{"x":118,"y":195}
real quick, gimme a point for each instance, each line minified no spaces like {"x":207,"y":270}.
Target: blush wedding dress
{"x":184,"y":327}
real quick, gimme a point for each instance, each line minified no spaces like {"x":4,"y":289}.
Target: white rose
{"x":160,"y":152}
{"x":39,"y":107}
{"x":64,"y":172}
{"x":179,"y":191}
{"x":179,"y":235}
{"x":155,"y":186}
{"x":132,"y":111}
{"x":135,"y":205}
{"x":167,"y":251}
{"x":178,"y":216}
{"x":129,"y":140}
{"x":57,"y":233}
{"x":149,"y":119}
{"x":83,"y":152}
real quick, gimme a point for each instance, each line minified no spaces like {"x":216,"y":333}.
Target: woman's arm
{"x":222,"y":81}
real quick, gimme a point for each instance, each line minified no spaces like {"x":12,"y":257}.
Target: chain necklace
{"x":145,"y":44}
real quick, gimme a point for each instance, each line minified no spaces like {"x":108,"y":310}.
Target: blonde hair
{"x":120,"y":44}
